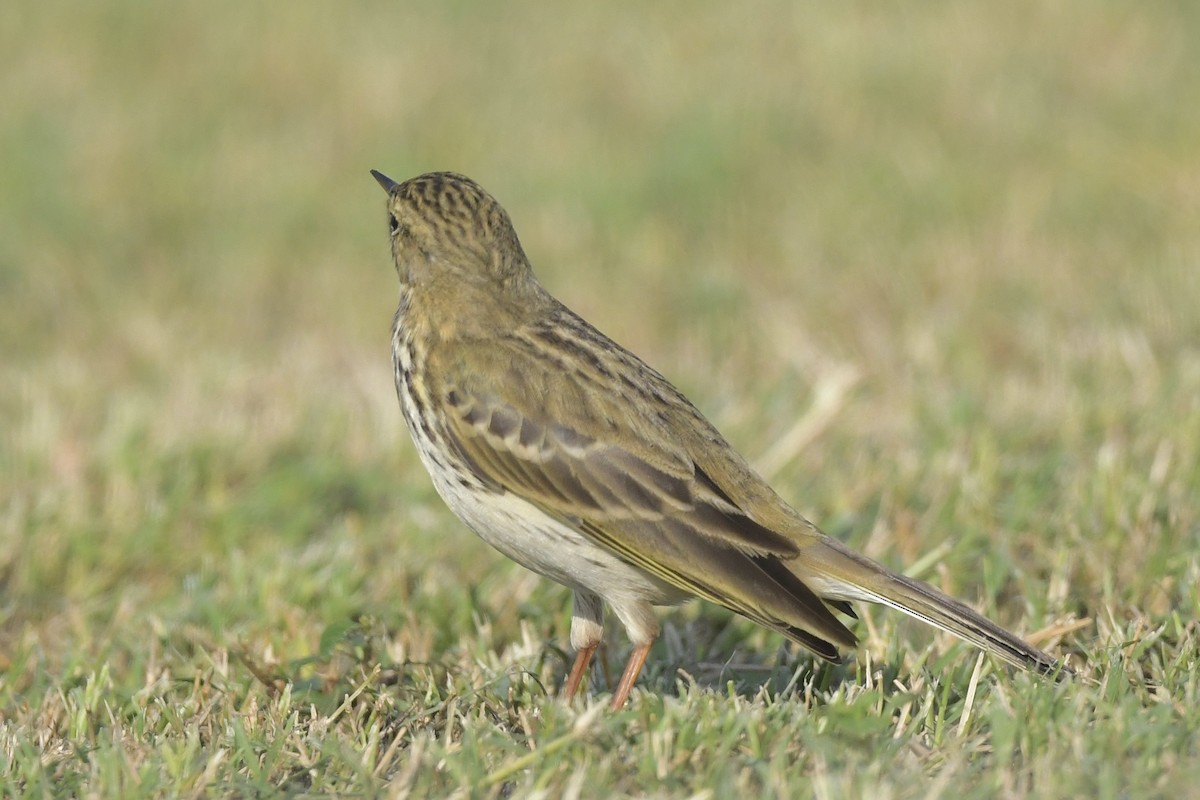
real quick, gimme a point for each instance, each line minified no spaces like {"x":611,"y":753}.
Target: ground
{"x":936,"y":269}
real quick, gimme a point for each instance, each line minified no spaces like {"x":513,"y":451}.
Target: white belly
{"x":538,"y":542}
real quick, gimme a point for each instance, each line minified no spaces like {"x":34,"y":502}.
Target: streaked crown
{"x":445,"y":222}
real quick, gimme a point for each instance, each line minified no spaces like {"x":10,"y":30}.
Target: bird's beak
{"x":387,"y":183}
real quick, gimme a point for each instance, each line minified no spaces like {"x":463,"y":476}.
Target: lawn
{"x":934,"y":268}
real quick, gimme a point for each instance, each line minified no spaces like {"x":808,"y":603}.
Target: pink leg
{"x":582,"y":659}
{"x":632,"y":669}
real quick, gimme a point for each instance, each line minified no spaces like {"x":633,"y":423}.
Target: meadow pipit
{"x":567,"y":453}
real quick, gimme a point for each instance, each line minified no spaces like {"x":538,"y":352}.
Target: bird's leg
{"x":582,"y":659}
{"x":636,"y":659}
{"x":587,"y":632}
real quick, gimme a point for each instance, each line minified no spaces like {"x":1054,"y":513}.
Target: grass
{"x":966,"y":235}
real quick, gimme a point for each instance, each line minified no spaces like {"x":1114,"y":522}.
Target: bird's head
{"x":445,"y":227}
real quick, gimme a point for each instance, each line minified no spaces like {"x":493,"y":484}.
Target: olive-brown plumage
{"x":576,"y":459}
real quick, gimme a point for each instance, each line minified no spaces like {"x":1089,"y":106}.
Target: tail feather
{"x":838,"y":574}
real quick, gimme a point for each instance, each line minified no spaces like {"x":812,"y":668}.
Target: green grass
{"x":971,"y":229}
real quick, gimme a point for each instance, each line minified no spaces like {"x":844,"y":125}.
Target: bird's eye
{"x":393,"y":223}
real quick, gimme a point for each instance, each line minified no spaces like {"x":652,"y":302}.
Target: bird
{"x":574,"y":458}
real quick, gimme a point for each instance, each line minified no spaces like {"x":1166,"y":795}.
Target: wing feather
{"x":666,"y":517}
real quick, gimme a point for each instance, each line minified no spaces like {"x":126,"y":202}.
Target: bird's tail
{"x":837,"y":573}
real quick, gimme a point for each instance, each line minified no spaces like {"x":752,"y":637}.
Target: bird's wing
{"x":613,"y":470}
{"x":584,"y":448}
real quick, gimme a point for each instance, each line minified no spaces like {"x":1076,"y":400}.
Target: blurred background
{"x":969,"y":233}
